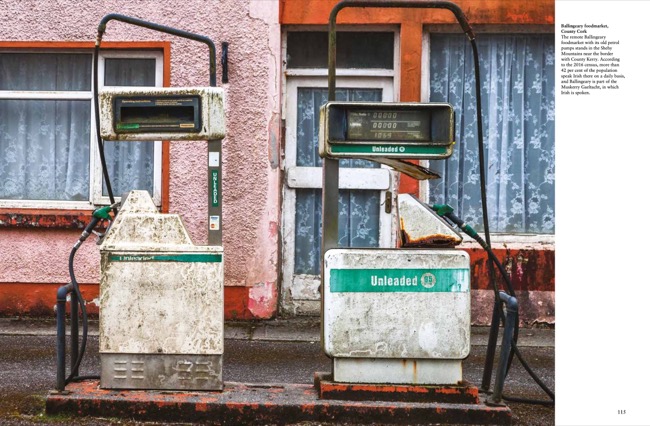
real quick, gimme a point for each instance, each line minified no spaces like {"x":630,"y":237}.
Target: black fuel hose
{"x":100,"y":142}
{"x":449,"y":215}
{"x":99,"y":214}
{"x":486,"y":243}
{"x":82,"y":303}
{"x":515,"y":349}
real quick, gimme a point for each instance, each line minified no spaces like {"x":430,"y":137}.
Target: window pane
{"x":358,"y":224}
{"x":44,"y":151}
{"x":518,"y":104}
{"x":308,"y":49}
{"x":309,"y":102}
{"x":129,"y":72}
{"x":358,"y":210}
{"x":130,"y":164}
{"x":45,"y":71}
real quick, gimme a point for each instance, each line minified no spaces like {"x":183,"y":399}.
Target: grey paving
{"x":282,"y":330}
{"x":280,"y":351}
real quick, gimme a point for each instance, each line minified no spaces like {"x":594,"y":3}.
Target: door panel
{"x":363,"y":220}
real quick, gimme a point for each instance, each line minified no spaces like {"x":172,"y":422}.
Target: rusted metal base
{"x":247,"y":404}
{"x":450,"y":394}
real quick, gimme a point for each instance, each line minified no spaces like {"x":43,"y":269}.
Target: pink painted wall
{"x":251,"y":150}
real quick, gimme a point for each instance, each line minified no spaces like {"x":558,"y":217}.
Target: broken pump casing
{"x":421,"y":227}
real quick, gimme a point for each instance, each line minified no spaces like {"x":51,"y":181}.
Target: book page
{"x":603,"y":160}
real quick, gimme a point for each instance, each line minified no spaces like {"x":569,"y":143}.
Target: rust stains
{"x":462,"y":393}
{"x":34,"y":218}
{"x":429,"y":241}
{"x":528,"y":269}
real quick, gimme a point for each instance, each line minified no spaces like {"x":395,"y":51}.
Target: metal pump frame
{"x":215,"y":237}
{"x":330,"y":192}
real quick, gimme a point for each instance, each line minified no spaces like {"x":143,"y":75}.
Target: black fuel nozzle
{"x":102,"y":213}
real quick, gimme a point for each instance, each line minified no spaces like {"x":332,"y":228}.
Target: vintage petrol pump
{"x":395,"y":315}
{"x":397,"y":320}
{"x":402,"y":316}
{"x":398,"y":316}
{"x":161,"y":297}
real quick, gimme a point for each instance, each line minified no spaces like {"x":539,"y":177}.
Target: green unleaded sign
{"x":387,"y":149}
{"x":185,"y":257}
{"x":399,"y":280}
{"x":214,"y":188}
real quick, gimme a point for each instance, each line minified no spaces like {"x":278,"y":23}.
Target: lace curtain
{"x":130,"y":164}
{"x":45,"y":143}
{"x":358,"y":210}
{"x":518,"y":105}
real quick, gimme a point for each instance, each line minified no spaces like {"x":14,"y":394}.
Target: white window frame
{"x":304,"y":287}
{"x":95,"y":172}
{"x":96,"y":191}
{"x":341,"y":72}
{"x":498,"y":239}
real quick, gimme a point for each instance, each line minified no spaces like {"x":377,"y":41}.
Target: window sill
{"x":513,"y":241}
{"x":37,"y":218}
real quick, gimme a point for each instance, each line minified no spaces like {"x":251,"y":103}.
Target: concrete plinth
{"x":247,"y":404}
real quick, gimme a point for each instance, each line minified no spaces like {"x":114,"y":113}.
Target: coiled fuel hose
{"x":99,"y":215}
{"x":447,"y":212}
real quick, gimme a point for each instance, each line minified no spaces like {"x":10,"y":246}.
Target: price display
{"x":389,"y":125}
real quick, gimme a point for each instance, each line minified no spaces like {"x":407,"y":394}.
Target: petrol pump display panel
{"x":390,"y":125}
{"x":388,"y":130}
{"x":162,"y":113}
{"x":142,"y":114}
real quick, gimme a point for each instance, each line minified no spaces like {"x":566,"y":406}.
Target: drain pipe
{"x":74,"y":332}
{"x":61,"y":295}
{"x":512,"y":317}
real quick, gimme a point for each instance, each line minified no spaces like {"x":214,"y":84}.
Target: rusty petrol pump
{"x":392,"y":316}
{"x":161,"y":323}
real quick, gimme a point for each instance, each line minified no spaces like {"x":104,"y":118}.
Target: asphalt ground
{"x":269,"y":352}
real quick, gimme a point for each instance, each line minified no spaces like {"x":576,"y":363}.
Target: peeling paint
{"x":262,"y":300}
{"x":458,"y":394}
{"x":158,"y":307}
{"x":247,"y":405}
{"x":274,"y":147}
{"x":376,"y":324}
{"x":70,"y":220}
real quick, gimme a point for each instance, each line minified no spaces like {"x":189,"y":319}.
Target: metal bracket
{"x":224,"y":62}
{"x":413,"y":170}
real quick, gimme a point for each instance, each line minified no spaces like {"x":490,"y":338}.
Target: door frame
{"x":300,"y":293}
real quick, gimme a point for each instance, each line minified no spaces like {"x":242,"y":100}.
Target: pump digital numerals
{"x":404,"y":126}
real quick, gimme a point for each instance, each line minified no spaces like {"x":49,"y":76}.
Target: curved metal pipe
{"x":61,"y":296}
{"x":407,"y":4}
{"x":164,"y":29}
{"x":512,"y":316}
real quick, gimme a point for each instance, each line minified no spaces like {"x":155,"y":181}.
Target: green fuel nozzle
{"x":103,"y":213}
{"x":445,"y":210}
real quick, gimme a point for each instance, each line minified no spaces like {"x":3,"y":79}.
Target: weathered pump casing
{"x":399,"y":316}
{"x":162,"y":113}
{"x":161,"y":303}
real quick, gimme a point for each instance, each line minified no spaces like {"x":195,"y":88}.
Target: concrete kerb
{"x":280,"y":330}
